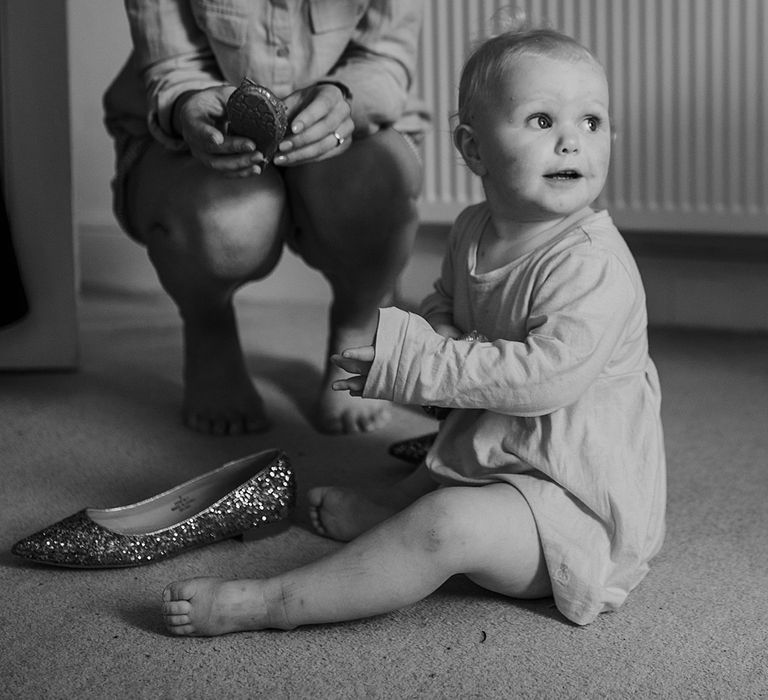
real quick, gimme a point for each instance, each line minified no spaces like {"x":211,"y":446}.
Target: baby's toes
{"x":180,"y":590}
{"x":184,"y":630}
{"x":175,"y":620}
{"x":316,"y":496}
{"x":172,"y":608}
{"x":317,"y":521}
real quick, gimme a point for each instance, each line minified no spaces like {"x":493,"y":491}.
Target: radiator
{"x":689,"y":101}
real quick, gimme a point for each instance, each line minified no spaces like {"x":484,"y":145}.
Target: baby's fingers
{"x":351,"y":364}
{"x":365,"y":353}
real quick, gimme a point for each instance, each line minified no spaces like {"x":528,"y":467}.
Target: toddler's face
{"x":544,"y":139}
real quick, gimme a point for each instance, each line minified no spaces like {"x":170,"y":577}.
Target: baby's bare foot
{"x":343,"y":514}
{"x":219,"y":396}
{"x":206,"y":607}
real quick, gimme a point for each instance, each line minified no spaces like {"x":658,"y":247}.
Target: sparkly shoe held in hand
{"x":255,"y":112}
{"x":255,"y":493}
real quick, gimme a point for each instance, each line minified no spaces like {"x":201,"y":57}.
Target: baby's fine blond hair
{"x":487,"y":64}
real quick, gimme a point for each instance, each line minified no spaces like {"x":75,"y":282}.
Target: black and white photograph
{"x":384,"y":349}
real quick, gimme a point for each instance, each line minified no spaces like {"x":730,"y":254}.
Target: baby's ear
{"x":466,"y":143}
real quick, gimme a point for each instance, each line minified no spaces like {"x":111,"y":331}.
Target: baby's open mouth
{"x":564,"y":175}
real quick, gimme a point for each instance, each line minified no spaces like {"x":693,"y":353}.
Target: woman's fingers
{"x":320,"y":127}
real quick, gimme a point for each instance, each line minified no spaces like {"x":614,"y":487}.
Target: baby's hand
{"x":448,"y":331}
{"x":442,"y":323}
{"x":356,"y":361}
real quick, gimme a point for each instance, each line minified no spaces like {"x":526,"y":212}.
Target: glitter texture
{"x":77,"y":541}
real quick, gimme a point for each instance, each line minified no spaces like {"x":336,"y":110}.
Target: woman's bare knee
{"x":383,"y":165}
{"x":238,"y":238}
{"x":369,"y":188}
{"x":225,"y":229}
{"x":358,"y":213}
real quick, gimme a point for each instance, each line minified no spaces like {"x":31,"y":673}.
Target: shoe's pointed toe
{"x":74,"y":541}
{"x":266,"y":497}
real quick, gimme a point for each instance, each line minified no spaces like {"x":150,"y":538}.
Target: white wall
{"x":99,"y":43}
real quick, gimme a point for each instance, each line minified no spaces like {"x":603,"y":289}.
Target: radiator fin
{"x":689,"y":91}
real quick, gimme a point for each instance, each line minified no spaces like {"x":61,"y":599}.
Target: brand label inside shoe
{"x":182,"y":503}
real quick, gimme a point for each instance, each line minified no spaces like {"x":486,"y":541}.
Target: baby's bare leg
{"x":486,"y":532}
{"x":343,"y":513}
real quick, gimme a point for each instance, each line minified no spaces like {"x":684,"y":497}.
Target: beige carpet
{"x":109,"y":434}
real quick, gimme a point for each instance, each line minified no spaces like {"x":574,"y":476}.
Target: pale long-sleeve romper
{"x":563,"y":401}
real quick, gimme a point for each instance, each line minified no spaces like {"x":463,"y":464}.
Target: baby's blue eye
{"x":540,"y":121}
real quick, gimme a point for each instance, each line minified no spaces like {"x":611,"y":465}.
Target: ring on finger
{"x":339,"y":139}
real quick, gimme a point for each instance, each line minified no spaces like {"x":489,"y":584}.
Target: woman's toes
{"x":256,"y":425}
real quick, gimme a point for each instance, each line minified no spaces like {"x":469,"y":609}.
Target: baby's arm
{"x":580,"y":312}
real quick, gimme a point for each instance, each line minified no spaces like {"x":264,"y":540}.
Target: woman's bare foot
{"x":339,"y":413}
{"x":219,"y":396}
{"x":343,"y":514}
{"x":206,"y":607}
{"x":336,"y":411}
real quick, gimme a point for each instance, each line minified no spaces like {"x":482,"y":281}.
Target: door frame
{"x":37,"y":174}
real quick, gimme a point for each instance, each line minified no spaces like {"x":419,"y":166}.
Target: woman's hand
{"x":320,"y":125}
{"x":356,"y":361}
{"x":200,"y":118}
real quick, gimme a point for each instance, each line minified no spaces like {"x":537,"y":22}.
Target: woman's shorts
{"x":129,"y":150}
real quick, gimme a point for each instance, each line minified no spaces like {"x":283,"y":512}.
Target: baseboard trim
{"x":691,"y":281}
{"x":112,"y":262}
{"x":699,"y":246}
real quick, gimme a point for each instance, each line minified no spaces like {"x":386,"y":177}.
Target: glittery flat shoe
{"x":254,"y":494}
{"x":413,"y":450}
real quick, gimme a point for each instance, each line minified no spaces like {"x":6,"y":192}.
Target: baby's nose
{"x":568,"y":141}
